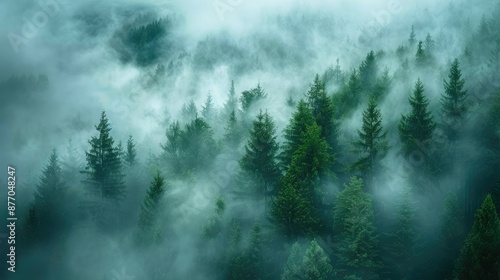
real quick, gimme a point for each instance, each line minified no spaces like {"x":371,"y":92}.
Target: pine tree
{"x":198,"y":146}
{"x":382,"y":86}
{"x":353,"y":219}
{"x":131,"y":153}
{"x":480,"y":255}
{"x":421,"y":56}
{"x":232,"y":135}
{"x":324,"y":112}
{"x":254,"y":257}
{"x":172,"y":149}
{"x":231,"y":104}
{"x":372,"y":143}
{"x":316,"y":263}
{"x":104,"y":166}
{"x":150,"y":208}
{"x":208,"y":111}
{"x":301,"y":119}
{"x":121,"y":152}
{"x":31,"y":227}
{"x":430,"y":44}
{"x":417,"y":127}
{"x":293,"y":267}
{"x":413,"y":38}
{"x":214,"y":224}
{"x":351,"y":94}
{"x":189,"y":111}
{"x":368,"y":72}
{"x":50,"y":196}
{"x":405,"y":243}
{"x":252,"y":96}
{"x":454,"y":101}
{"x":259,"y":163}
{"x":452,"y":234}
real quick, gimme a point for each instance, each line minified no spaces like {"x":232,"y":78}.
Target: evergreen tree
{"x":301,"y":119}
{"x":480,"y":255}
{"x":372,"y":143}
{"x":208,"y":111}
{"x":316,"y":263}
{"x":231,"y":103}
{"x":313,"y":265}
{"x":131,"y":153}
{"x":254,"y":257}
{"x":31,"y":227}
{"x":198,"y":147}
{"x":430,"y":44}
{"x":454,"y":100}
{"x":382,"y":86}
{"x":50,"y":196}
{"x":121,"y":152}
{"x":368,"y":72}
{"x":173,"y":148}
{"x":452,"y":234}
{"x":417,"y":127}
{"x":232,"y":135}
{"x":104,"y":166}
{"x":150,"y":208}
{"x":214,"y":223}
{"x":404,"y":246}
{"x":324,"y":112}
{"x":353,"y":219}
{"x":189,"y":111}
{"x":421,"y":56}
{"x":413,"y":38}
{"x":252,"y":96}
{"x":351,"y":94}
{"x":259,"y":163}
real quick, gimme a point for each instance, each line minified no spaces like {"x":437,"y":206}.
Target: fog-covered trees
{"x":454,"y":101}
{"x":149,"y":231}
{"x":313,"y":264}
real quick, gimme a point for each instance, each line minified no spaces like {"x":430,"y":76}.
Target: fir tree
{"x":232,"y":134}
{"x":421,"y":56}
{"x":50,"y":196}
{"x":430,"y":44}
{"x":131,"y":153}
{"x":452,"y":234}
{"x":454,"y":101}
{"x":104,"y":166}
{"x":301,"y":119}
{"x":259,"y":163}
{"x":382,"y":86}
{"x":208,"y":109}
{"x":353,"y":219}
{"x":150,"y":208}
{"x":368,"y":72}
{"x":172,"y":149}
{"x":231,"y":104}
{"x":198,"y":147}
{"x":413,"y":38}
{"x":372,"y":143}
{"x":293,"y":266}
{"x":252,"y":96}
{"x":480,"y":255}
{"x":316,"y":264}
{"x":417,"y":127}
{"x":324,"y":112}
{"x":189,"y":111}
{"x":214,"y":224}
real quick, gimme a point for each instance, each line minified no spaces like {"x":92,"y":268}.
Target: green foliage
{"x":421,"y":57}
{"x":189,"y":111}
{"x":259,"y":163}
{"x":250,"y":97}
{"x":350,"y":95}
{"x":131,"y":153}
{"x":214,"y":224}
{"x":413,"y":38}
{"x":191,"y":148}
{"x":149,"y":231}
{"x":233,"y":133}
{"x":208,"y":111}
{"x":372,"y":143}
{"x":301,"y":119}
{"x":314,"y":265}
{"x":382,"y":86}
{"x":353,"y":219}
{"x":480,"y":255}
{"x":104,"y":165}
{"x":454,"y":101}
{"x":50,"y":197}
{"x":430,"y":44}
{"x":231,"y":104}
{"x":368,"y":72}
{"x":417,"y":127}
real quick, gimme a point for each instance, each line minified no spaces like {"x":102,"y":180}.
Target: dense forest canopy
{"x":251,"y":139}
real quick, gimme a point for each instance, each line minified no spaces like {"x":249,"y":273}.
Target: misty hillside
{"x":262,"y":140}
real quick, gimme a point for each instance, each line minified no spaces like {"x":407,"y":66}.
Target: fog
{"x":90,"y":66}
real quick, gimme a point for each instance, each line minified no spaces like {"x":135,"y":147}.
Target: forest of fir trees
{"x":290,"y":175}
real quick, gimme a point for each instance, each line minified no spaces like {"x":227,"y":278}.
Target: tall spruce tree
{"x":421,"y":56}
{"x":353,"y":220}
{"x":314,"y":264}
{"x":301,"y":119}
{"x":454,"y":101}
{"x":324,"y":112}
{"x":150,"y":208}
{"x":372,"y":144}
{"x":172,"y":149}
{"x":231,"y":103}
{"x":259,"y":163}
{"x":417,"y":127}
{"x":233,"y":133}
{"x":480,"y":255}
{"x":50,"y":198}
{"x":131,"y":153}
{"x":198,"y":146}
{"x":368,"y":72}
{"x":104,"y":166}
{"x":413,"y":38}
